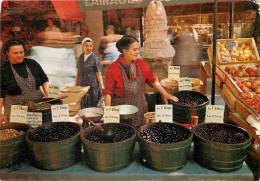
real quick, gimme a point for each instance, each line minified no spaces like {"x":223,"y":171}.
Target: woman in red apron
{"x":21,"y":79}
{"x":125,"y":80}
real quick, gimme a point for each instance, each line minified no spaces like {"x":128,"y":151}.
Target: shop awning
{"x":120,"y":4}
{"x":68,"y":9}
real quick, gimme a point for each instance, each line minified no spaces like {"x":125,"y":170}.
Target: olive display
{"x":165,"y":133}
{"x":189,"y":98}
{"x":221,"y":133}
{"x":53,"y":132}
{"x":6,"y":134}
{"x":121,"y":132}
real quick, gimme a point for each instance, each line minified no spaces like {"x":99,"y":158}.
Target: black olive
{"x":165,"y":133}
{"x":221,"y":133}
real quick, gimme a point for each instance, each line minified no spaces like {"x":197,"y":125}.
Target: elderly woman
{"x":21,"y":79}
{"x":89,"y":74}
{"x":126,"y":77}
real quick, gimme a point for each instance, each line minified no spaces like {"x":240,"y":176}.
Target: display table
{"x":135,"y":171}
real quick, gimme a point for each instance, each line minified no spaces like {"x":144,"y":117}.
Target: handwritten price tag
{"x":163,"y":113}
{"x":18,"y":114}
{"x":185,"y":84}
{"x":111,"y":114}
{"x":214,"y":114}
{"x":53,"y":91}
{"x":60,"y":113}
{"x":34,"y":119}
{"x":174,"y":72}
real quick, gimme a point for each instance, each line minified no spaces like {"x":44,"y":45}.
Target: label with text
{"x":60,"y":113}
{"x":18,"y":114}
{"x":214,"y":114}
{"x":53,"y":91}
{"x":163,"y":113}
{"x":34,"y":119}
{"x":174,"y":72}
{"x":111,"y":114}
{"x":185,"y":84}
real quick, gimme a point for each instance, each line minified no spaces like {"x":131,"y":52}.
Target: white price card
{"x":18,"y":114}
{"x":34,"y":119}
{"x":53,"y":91}
{"x":174,"y":72}
{"x":214,"y":114}
{"x":185,"y":84}
{"x":111,"y":114}
{"x":163,"y":113}
{"x":60,"y":113}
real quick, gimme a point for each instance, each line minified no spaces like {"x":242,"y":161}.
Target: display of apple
{"x":251,"y":70}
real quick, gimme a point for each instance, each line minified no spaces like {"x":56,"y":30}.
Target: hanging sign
{"x":60,"y":113}
{"x":34,"y":119}
{"x":185,"y":84}
{"x":111,"y":114}
{"x":214,"y":114}
{"x":53,"y":91}
{"x":163,"y":113}
{"x":18,"y":114}
{"x":174,"y":72}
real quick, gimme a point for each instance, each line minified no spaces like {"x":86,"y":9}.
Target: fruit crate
{"x":243,"y":69}
{"x":221,"y":73}
{"x":232,"y":86}
{"x":229,"y":97}
{"x":244,"y":110}
{"x":233,"y":51}
{"x":219,"y":82}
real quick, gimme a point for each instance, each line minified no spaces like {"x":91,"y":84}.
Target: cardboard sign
{"x":111,"y":114}
{"x":214,"y":114}
{"x":53,"y":91}
{"x":34,"y":119}
{"x":18,"y":114}
{"x":185,"y":84}
{"x":174,"y":72}
{"x":230,"y":45}
{"x":60,"y":113}
{"x":163,"y":113}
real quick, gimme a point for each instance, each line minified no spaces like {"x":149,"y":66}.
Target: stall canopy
{"x":119,"y":4}
{"x":68,"y":9}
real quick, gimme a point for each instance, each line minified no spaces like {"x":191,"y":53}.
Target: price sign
{"x":174,"y":72}
{"x":34,"y":119}
{"x":230,"y":45}
{"x":185,"y":84}
{"x":111,"y":114}
{"x":18,"y":114}
{"x":60,"y":113}
{"x":163,"y":113}
{"x":214,"y":114}
{"x":53,"y":91}
{"x":226,"y":58}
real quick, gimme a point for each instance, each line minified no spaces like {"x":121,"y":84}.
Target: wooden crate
{"x":238,"y":41}
{"x":233,"y":87}
{"x":242,"y":109}
{"x":229,"y":97}
{"x":221,"y":73}
{"x":219,"y":82}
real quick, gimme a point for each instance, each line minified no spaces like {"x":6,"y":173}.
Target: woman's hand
{"x":169,"y":97}
{"x":3,"y":119}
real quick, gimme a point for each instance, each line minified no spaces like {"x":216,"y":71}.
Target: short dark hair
{"x":12,"y":42}
{"x":125,"y":42}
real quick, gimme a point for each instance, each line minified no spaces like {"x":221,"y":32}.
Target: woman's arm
{"x":107,"y":99}
{"x":166,"y":96}
{"x":100,"y":80}
{"x":3,"y":118}
{"x":45,"y":87}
